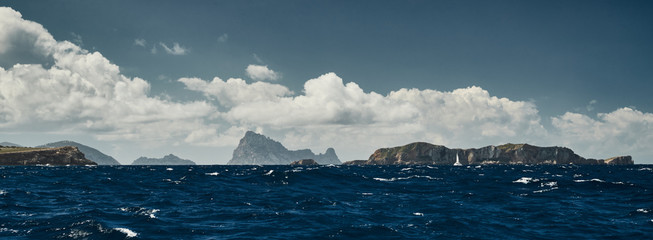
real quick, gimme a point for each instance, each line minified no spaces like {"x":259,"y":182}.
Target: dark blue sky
{"x":560,"y":54}
{"x":587,"y":57}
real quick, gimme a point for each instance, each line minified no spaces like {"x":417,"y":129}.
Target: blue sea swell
{"x":327,"y":202}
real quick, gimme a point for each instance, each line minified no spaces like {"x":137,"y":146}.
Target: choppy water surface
{"x":341,"y":202}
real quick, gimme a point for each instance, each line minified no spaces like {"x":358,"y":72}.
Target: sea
{"x":327,"y":202}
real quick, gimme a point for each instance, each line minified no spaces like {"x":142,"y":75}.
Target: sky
{"x":149,"y":78}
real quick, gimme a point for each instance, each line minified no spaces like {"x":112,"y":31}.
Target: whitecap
{"x":3,"y":192}
{"x":526,"y":180}
{"x":385,"y":179}
{"x":129,"y":233}
{"x":152,"y":212}
{"x":213,"y":174}
{"x":590,"y":180}
{"x":367,"y":194}
{"x":9,"y":230}
{"x":645,"y":169}
{"x":642,"y":210}
{"x":549,"y":184}
{"x":418,"y":214}
{"x":405,"y":178}
{"x":406,"y":169}
{"x":545,"y":190}
{"x":169,"y":169}
{"x":268,"y":173}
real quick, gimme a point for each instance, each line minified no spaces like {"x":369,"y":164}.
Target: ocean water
{"x":327,"y":202}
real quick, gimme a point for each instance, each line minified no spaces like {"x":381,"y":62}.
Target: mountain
{"x":426,"y":153}
{"x":256,"y":149}
{"x":60,"y":156}
{"x":8,"y":144}
{"x":90,"y":153}
{"x":166,"y":160}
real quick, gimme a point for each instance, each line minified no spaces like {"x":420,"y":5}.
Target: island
{"x":26,"y":156}
{"x":90,"y":153}
{"x":421,"y":153}
{"x":169,"y":159}
{"x":304,"y":162}
{"x":257,"y":149}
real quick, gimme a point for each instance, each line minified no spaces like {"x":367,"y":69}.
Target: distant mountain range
{"x":256,"y":149}
{"x":90,"y":153}
{"x":166,"y":160}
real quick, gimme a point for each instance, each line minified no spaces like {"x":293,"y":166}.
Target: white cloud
{"x":140,"y":42}
{"x":624,"y":131}
{"x":83,"y":92}
{"x":176,"y":49}
{"x":236,"y":91}
{"x":154,"y":50}
{"x":211,"y":137}
{"x":259,"y":73}
{"x":223,"y":38}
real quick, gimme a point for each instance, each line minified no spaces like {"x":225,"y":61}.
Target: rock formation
{"x":90,"y":153}
{"x":304,"y":162}
{"x":256,"y":149}
{"x":426,"y":153}
{"x":166,"y":160}
{"x":61,"y":156}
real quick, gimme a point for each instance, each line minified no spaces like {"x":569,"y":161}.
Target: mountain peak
{"x":257,"y":149}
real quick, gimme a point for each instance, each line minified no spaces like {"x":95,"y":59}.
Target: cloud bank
{"x":82,"y":91}
{"x":55,"y":86}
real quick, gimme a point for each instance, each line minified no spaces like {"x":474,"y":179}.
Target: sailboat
{"x":457,"y":163}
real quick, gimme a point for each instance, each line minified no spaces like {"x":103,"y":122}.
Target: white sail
{"x":457,"y":161}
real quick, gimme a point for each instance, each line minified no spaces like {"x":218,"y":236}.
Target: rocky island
{"x":256,"y":149}
{"x":304,"y":162}
{"x":61,"y":156}
{"x":421,"y":153}
{"x":169,"y":159}
{"x":90,"y":153}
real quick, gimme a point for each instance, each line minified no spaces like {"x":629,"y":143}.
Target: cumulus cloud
{"x":260,"y":72}
{"x":140,"y":42}
{"x":623,"y":131}
{"x":82,"y":91}
{"x":236,"y":91}
{"x":176,"y":49}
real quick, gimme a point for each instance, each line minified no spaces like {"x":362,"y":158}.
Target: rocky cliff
{"x":90,"y":153}
{"x":426,"y":153}
{"x":166,"y":160}
{"x":61,"y":156}
{"x":256,"y":149}
{"x":304,"y":162}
